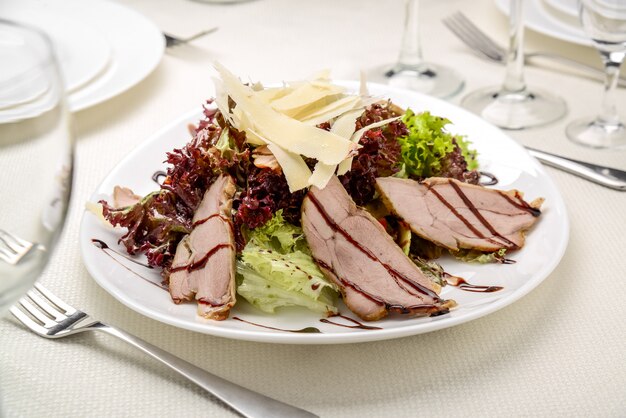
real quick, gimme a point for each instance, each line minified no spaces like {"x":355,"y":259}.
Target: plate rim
{"x":157,"y":51}
{"x":345,"y":336}
{"x":538,"y":8}
{"x":110,"y":81}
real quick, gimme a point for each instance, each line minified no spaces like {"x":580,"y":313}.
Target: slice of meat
{"x":204,"y":263}
{"x":354,"y":251}
{"x":458,"y":215}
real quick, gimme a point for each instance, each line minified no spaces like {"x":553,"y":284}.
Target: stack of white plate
{"x":103,"y":48}
{"x":554,"y":18}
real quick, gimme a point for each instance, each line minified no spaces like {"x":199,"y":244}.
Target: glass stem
{"x":411,"y":50}
{"x":514,"y":77}
{"x":612,"y":63}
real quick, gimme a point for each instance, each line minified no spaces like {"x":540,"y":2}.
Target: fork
{"x":171,"y":40}
{"x":12,"y":248}
{"x":486,"y":47}
{"x":50,"y":317}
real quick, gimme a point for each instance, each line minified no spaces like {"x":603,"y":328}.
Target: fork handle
{"x":605,"y":176}
{"x":244,"y":401}
{"x":574,"y":63}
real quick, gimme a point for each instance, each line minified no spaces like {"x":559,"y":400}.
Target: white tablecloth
{"x":559,"y":351}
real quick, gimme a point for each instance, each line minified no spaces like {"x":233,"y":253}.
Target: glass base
{"x":515,"y":110}
{"x":431,"y":79}
{"x":592,"y":133}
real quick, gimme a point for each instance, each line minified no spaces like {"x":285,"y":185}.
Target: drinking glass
{"x":36,"y":153}
{"x":604,"y":21}
{"x":411,"y":71}
{"x":513,"y":105}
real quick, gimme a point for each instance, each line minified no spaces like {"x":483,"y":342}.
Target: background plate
{"x":499,"y":154}
{"x":134,"y":45}
{"x":540,"y":19}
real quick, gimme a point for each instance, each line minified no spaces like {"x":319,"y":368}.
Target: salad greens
{"x":274,"y":263}
{"x":425,"y":149}
{"x":480,"y":257}
{"x":276,"y":269}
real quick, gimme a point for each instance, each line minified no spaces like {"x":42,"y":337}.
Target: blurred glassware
{"x":411,"y":71}
{"x":513,"y":105}
{"x":604,"y":21}
{"x":36,"y":156}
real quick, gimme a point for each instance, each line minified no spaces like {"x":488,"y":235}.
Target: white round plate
{"x":539,"y":19}
{"x":133,"y":285}
{"x":569,"y":7}
{"x":82,"y":52}
{"x":104,"y":49}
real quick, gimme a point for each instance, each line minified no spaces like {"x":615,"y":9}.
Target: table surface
{"x":561,"y":350}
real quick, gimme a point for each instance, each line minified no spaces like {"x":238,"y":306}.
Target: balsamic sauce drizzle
{"x":493,"y":180}
{"x":396,"y":275}
{"x":104,"y":247}
{"x":462,"y":284}
{"x":459,"y":216}
{"x":523,"y":205}
{"x":158,"y":177}
{"x":313,"y":330}
{"x":479,"y":215}
{"x":196,"y":265}
{"x":357,"y":324}
{"x":307,"y":330}
{"x":106,"y":250}
{"x":215,"y":215}
{"x":456,"y":281}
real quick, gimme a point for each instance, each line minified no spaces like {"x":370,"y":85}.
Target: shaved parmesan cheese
{"x":356,"y":137}
{"x":363,"y":92}
{"x":304,"y":96}
{"x":289,"y":134}
{"x":96,"y":209}
{"x":275,"y":93}
{"x":322,"y":175}
{"x":221,"y":101}
{"x":345,"y":125}
{"x":296,"y":171}
{"x":346,"y":164}
{"x":294,"y":168}
{"x":330,"y":111}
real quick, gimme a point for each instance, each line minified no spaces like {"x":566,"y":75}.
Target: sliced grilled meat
{"x":204,"y":264}
{"x":354,"y":251}
{"x":458,"y":215}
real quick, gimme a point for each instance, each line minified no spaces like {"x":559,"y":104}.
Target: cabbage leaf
{"x":276,"y":269}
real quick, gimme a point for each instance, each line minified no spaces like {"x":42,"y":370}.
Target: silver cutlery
{"x":50,"y":317}
{"x":604,"y":176}
{"x":486,"y":47}
{"x":171,"y":40}
{"x":12,"y":248}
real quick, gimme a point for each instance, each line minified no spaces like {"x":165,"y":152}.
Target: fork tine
{"x":473,"y":32}
{"x":466,"y":36}
{"x":473,"y":37}
{"x":36,"y":313}
{"x":50,"y":310}
{"x":8,"y":250}
{"x":26,"y":320}
{"x":11,"y":240}
{"x":55,"y":300}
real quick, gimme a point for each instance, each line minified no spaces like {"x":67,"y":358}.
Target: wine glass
{"x":36,"y":154}
{"x":604,"y":21}
{"x":513,"y":105}
{"x":411,"y":71}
